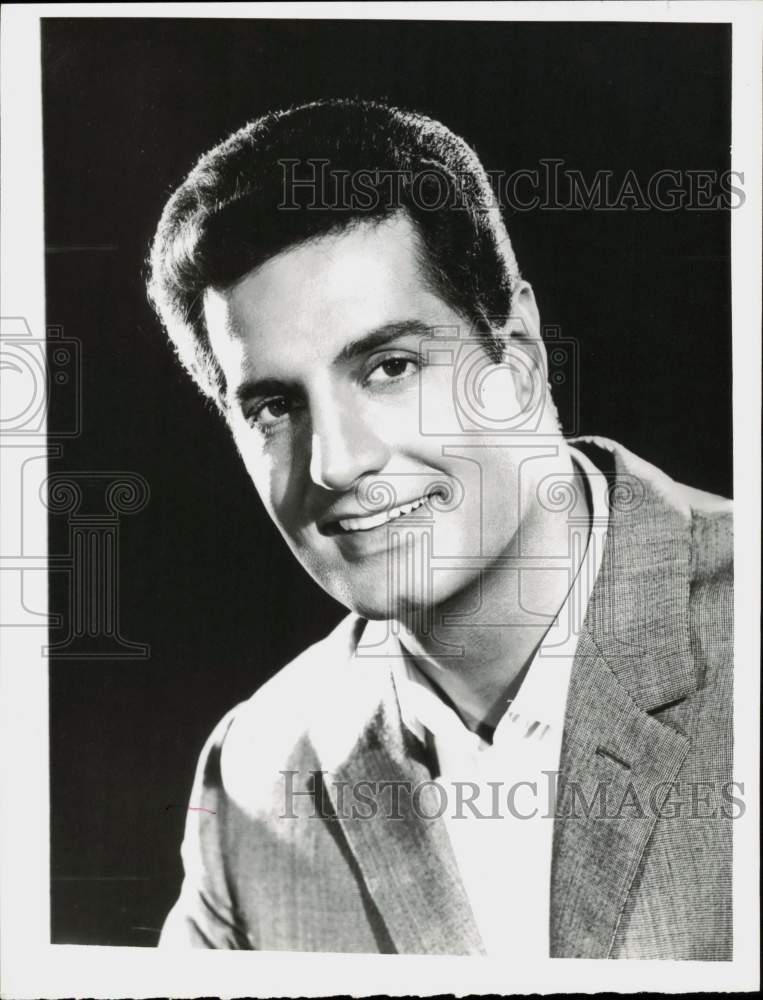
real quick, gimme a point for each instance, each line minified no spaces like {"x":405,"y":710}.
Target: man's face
{"x":367,"y":419}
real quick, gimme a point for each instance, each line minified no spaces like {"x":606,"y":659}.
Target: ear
{"x":525,"y":345}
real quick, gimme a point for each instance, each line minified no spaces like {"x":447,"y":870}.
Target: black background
{"x":205,"y":579}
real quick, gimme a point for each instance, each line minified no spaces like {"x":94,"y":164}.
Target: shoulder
{"x":712,"y":535}
{"x":711,"y":574}
{"x":695,"y":527}
{"x":705,"y":518}
{"x":271,"y":729}
{"x":296,"y":684}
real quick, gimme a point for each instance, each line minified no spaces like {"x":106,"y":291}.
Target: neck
{"x":478,"y":659}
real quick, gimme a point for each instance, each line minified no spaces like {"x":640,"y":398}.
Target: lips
{"x":358,"y":523}
{"x":369,"y":521}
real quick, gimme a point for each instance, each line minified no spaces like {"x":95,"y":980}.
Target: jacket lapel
{"x":405,"y":858}
{"x":618,"y":760}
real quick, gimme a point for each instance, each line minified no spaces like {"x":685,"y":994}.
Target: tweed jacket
{"x":642,"y":863}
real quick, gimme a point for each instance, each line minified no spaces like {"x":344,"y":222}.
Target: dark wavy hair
{"x":234,"y":211}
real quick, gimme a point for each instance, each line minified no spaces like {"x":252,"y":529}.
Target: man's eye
{"x":392,"y":369}
{"x":270,"y":412}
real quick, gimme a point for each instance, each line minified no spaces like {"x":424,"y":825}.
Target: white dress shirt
{"x":499,"y":796}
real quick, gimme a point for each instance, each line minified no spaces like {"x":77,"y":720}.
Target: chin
{"x":374,"y":602}
{"x":376,"y":606}
{"x":408,"y":607}
{"x":372,"y":612}
{"x":366,"y":590}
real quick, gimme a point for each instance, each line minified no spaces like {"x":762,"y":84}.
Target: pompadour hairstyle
{"x":247,"y":200}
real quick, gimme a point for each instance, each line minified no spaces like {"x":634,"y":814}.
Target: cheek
{"x":488,"y":401}
{"x":474,"y":395}
{"x":498,"y":395}
{"x":277,"y":478}
{"x":260,"y":466}
{"x":493,"y":484}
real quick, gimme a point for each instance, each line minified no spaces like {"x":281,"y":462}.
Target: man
{"x":519,"y":742}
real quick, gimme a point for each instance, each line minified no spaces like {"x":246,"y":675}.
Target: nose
{"x":345,"y":446}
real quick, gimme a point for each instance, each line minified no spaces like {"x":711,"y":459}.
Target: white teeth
{"x":375,"y":520}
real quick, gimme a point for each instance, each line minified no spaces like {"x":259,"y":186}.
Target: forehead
{"x":320,"y":294}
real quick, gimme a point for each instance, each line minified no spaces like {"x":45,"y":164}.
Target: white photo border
{"x":31,"y":966}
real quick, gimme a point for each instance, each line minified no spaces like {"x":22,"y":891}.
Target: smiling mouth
{"x":369,"y":521}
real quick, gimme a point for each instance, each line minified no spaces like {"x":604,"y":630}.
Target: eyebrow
{"x":370,"y":341}
{"x":383,"y":335}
